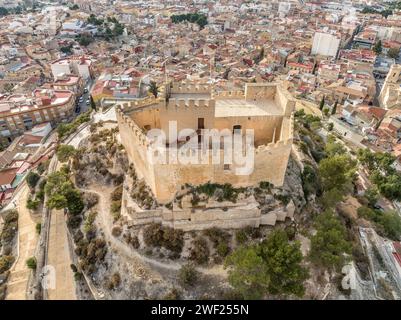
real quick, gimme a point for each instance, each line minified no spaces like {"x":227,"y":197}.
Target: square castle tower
{"x":264,"y":108}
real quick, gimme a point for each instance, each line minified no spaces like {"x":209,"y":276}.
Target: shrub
{"x":222,"y":249}
{"x":2,"y":291}
{"x":115,"y":208}
{"x":388,"y":223}
{"x":64,"y":152}
{"x":38,"y":228}
{"x":291,"y":232}
{"x":391,"y":224}
{"x":42,"y":167}
{"x":32,"y":179}
{"x":32,"y":204}
{"x":116,"y":231}
{"x":10,"y":226}
{"x":73,"y":268}
{"x":153,"y":235}
{"x":6,"y":262}
{"x":73,"y":222}
{"x":273,"y":267}
{"x":284,"y":198}
{"x":252,"y":232}
{"x":217,"y":235}
{"x":90,"y":219}
{"x":330,"y":243}
{"x":173,"y":294}
{"x":173,"y":239}
{"x":40,"y":196}
{"x":265,"y":185}
{"x":11,"y":216}
{"x":114,"y":282}
{"x":188,"y":275}
{"x":199,"y":251}
{"x":78,"y":276}
{"x":135,"y":242}
{"x":241,"y":236}
{"x":117,"y":194}
{"x":31,"y":263}
{"x":90,"y":200}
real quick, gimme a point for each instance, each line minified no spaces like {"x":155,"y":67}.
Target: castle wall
{"x":270,"y":164}
{"x":147,"y":117}
{"x":256,"y":91}
{"x":284,"y":100}
{"x":186,"y":114}
{"x":135,"y":143}
{"x":221,"y":215}
{"x":264,"y":127}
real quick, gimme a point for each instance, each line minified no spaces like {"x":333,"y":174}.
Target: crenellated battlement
{"x":133,"y":127}
{"x":228,"y":95}
{"x":190,"y":87}
{"x":140,"y":103}
{"x":191,"y":103}
{"x":286,"y":141}
{"x":273,"y":146}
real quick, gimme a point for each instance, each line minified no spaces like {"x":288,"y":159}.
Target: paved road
{"x":85,"y":96}
{"x":58,"y":256}
{"x":28,"y":238}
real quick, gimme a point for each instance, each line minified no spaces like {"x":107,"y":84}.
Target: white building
{"x":325,"y":44}
{"x":72,"y":65}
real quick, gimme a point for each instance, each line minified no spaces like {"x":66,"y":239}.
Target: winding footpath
{"x":129,"y":253}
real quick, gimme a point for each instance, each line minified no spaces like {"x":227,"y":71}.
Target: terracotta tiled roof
{"x":7,"y":176}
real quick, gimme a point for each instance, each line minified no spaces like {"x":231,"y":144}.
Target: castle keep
{"x":266,"y":108}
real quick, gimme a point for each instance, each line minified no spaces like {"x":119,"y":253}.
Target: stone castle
{"x":265,"y":108}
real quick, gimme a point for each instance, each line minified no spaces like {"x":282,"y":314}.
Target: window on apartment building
{"x":226,"y":167}
{"x":38,"y":116}
{"x":46,"y":115}
{"x":10,"y":122}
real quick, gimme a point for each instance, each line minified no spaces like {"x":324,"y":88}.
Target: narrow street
{"x":28,"y":238}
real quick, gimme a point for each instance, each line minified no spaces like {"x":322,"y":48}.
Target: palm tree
{"x":153,"y":88}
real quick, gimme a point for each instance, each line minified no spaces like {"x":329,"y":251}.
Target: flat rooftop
{"x":246,"y":108}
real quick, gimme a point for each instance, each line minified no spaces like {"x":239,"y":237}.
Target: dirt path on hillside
{"x":106,"y":225}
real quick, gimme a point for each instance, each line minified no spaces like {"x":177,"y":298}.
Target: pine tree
{"x":334,"y":110}
{"x":378,"y":47}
